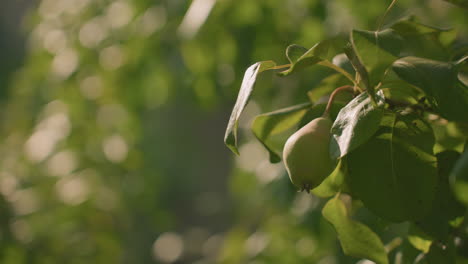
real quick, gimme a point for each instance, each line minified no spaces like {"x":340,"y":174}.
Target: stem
{"x":332,"y":98}
{"x":281,"y":66}
{"x":385,"y":14}
{"x":396,"y":242}
{"x":356,"y":87}
{"x":338,"y":69}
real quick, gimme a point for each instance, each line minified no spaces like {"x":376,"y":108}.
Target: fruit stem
{"x":332,"y":98}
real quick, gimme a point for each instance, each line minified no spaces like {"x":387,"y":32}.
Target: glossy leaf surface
{"x":250,"y":76}
{"x":300,"y":57}
{"x":439,"y":81}
{"x":445,"y":207}
{"x":394,"y":173}
{"x":355,"y":124}
{"x":376,"y":51}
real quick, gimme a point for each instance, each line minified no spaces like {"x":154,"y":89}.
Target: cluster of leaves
{"x":130,"y":80}
{"x":410,"y":89}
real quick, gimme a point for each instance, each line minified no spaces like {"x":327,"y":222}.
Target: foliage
{"x":392,"y":162}
{"x":112,"y":126}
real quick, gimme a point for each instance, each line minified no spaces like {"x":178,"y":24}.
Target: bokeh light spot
{"x":111,"y":57}
{"x":55,"y":41}
{"x":61,"y":163}
{"x":93,"y":32}
{"x":49,"y":132}
{"x":252,"y":154}
{"x":115,"y":148}
{"x":152,"y":20}
{"x":267,"y":172}
{"x":303,"y":203}
{"x":119,"y":14}
{"x":72,"y":190}
{"x":8,"y":183}
{"x":65,"y":63}
{"x":256,"y":243}
{"x":168,"y":247}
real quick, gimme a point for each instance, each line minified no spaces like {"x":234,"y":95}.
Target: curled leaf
{"x":250,"y":76}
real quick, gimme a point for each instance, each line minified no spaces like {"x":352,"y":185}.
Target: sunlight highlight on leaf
{"x":250,"y":76}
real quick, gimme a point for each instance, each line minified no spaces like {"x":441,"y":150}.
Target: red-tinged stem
{"x":332,"y":98}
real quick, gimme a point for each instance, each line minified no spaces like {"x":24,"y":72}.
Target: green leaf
{"x":374,"y":53}
{"x":459,"y":178}
{"x":460,"y":3}
{"x":394,"y":173}
{"x":250,"y":76}
{"x":445,"y":207}
{"x":355,"y":124}
{"x":411,"y":27}
{"x":356,"y":239}
{"x":427,"y":46}
{"x":350,"y":52}
{"x":449,"y":135}
{"x":308,"y":57}
{"x":267,"y":125}
{"x":317,"y":111}
{"x":322,"y":51}
{"x":333,"y":184}
{"x":425,"y":41}
{"x":419,"y":240}
{"x":439,"y":81}
{"x":327,"y":85}
{"x":399,"y":91}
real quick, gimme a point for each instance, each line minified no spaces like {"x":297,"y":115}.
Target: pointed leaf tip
{"x":248,"y":82}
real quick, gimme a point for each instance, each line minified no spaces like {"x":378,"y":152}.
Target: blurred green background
{"x":112,"y":122}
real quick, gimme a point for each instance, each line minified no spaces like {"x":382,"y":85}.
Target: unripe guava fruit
{"x":306,"y":155}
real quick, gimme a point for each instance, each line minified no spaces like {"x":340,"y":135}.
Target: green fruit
{"x":306,"y":155}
